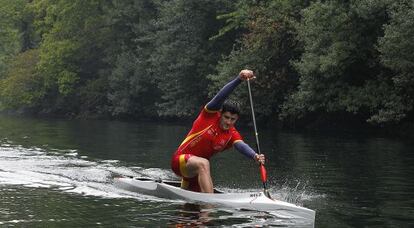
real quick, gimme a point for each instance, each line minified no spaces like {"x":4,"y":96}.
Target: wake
{"x":67,"y":171}
{"x":62,"y":170}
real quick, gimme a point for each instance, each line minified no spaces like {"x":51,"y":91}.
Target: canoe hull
{"x":249,"y":200}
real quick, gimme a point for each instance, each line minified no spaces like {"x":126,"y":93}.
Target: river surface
{"x":58,"y":173}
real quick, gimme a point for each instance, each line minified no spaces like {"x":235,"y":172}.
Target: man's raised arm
{"x":218,"y":100}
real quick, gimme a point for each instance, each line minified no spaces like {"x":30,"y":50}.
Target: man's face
{"x":227,"y":120}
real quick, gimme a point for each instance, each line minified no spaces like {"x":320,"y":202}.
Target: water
{"x":58,"y":173}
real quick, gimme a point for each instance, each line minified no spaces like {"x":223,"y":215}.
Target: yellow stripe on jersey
{"x":194,"y":135}
{"x":209,"y":111}
{"x":182,"y":162}
{"x":239,"y":140}
{"x":184,"y":183}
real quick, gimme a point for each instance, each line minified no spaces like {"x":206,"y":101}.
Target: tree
{"x":340,"y":71}
{"x":21,"y":87}
{"x":396,"y":48}
{"x":16,"y":34}
{"x":184,"y":55}
{"x":267,"y":46}
{"x":75,"y":36}
{"x":132,"y":91}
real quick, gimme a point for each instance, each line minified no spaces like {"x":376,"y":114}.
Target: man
{"x":213,"y":131}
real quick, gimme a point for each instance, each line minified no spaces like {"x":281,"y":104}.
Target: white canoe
{"x":248,"y":200}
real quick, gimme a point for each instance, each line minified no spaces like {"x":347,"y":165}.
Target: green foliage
{"x":21,"y":87}
{"x":164,"y":58}
{"x":75,"y":36}
{"x":132,"y":88}
{"x":234,"y":20}
{"x":133,"y":92}
{"x":396,"y":47}
{"x":340,"y":68}
{"x":13,"y":21}
{"x":94,"y":98}
{"x":267,"y":47}
{"x":54,"y":65}
{"x":184,"y":55}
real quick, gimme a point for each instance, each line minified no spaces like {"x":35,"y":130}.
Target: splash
{"x":298,"y":194}
{"x":295,"y":191}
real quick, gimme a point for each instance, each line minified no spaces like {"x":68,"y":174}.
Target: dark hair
{"x":231,"y":106}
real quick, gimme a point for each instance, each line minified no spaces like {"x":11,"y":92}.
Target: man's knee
{"x":204,"y":166}
{"x":201,"y":164}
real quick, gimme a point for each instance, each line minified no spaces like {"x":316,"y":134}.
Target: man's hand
{"x":246,"y":75}
{"x":260,"y":158}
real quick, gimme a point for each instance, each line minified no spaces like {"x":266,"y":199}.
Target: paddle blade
{"x":263,"y":173}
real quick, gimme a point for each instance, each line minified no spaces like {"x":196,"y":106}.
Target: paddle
{"x":262,"y":168}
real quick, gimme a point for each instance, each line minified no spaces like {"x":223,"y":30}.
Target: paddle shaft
{"x":262,"y":168}
{"x":253,"y":117}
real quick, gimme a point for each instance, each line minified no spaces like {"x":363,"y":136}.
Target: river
{"x":58,"y":173}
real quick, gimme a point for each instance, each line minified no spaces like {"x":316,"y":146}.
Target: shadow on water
{"x":195,"y":215}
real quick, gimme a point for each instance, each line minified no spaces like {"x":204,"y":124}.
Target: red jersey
{"x":206,"y":137}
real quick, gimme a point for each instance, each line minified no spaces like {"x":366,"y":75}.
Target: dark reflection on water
{"x":195,"y":215}
{"x":350,"y":179}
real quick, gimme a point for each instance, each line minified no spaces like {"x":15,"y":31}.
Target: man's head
{"x":229,"y":114}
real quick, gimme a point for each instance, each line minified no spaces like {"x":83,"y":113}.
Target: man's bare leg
{"x":201,"y":167}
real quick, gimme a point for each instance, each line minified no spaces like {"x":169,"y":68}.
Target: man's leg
{"x":201,"y":167}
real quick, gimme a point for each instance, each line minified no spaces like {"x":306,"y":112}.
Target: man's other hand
{"x":260,"y":158}
{"x":246,"y":75}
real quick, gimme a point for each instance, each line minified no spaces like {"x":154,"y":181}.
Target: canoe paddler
{"x":213,"y":131}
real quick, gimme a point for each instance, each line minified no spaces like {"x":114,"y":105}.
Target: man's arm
{"x":245,"y":149}
{"x":218,"y":100}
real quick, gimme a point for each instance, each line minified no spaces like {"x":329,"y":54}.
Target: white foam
{"x":156,"y":173}
{"x":37,"y":186}
{"x":59,"y":169}
{"x":72,"y":154}
{"x":110,"y":161}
